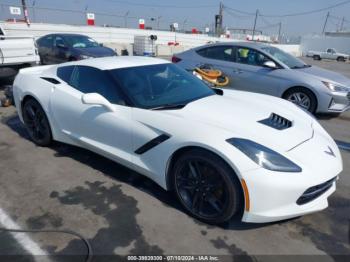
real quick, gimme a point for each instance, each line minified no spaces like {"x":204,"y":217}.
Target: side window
{"x":92,"y":80}
{"x":250,"y":57}
{"x":45,"y":41}
{"x":224,"y":53}
{"x":59,"y":41}
{"x":65,"y":73}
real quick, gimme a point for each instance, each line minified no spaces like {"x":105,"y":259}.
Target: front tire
{"x":207,"y":187}
{"x":36,"y":123}
{"x":303,"y":98}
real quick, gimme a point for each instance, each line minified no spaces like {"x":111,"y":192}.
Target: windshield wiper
{"x":169,"y":107}
{"x":299,"y":67}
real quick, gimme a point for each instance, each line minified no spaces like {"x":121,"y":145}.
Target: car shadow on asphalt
{"x":122,"y":174}
{"x":326,"y":116}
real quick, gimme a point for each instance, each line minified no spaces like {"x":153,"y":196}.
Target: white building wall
{"x":321,"y":43}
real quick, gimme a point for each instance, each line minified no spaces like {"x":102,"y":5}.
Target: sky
{"x":190,"y":13}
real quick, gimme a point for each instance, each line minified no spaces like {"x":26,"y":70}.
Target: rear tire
{"x":36,"y":123}
{"x":303,"y":98}
{"x":317,"y":57}
{"x":207,"y":187}
{"x":341,"y":59}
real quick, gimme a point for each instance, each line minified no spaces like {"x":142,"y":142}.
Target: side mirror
{"x":270,"y":64}
{"x":62,"y":46}
{"x":97,"y":99}
{"x":100,"y":44}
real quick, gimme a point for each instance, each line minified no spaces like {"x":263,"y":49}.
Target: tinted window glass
{"x":285,"y":58}
{"x":225,"y":53}
{"x":250,"y":57}
{"x":45,"y":41}
{"x":160,"y":85}
{"x":80,"y":41}
{"x":92,"y":80}
{"x":65,"y":73}
{"x":59,"y":41}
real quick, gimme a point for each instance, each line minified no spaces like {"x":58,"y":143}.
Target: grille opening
{"x":315,"y":191}
{"x":276,"y":121}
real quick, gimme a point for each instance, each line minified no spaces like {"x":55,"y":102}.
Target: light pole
{"x":33,"y":8}
{"x":256,"y":18}
{"x":325,"y":23}
{"x":126,"y":19}
{"x":184,"y":25}
{"x":158,"y":18}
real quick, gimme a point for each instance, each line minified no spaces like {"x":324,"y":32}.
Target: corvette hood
{"x":240,"y":113}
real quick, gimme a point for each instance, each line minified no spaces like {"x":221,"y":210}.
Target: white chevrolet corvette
{"x":224,"y":153}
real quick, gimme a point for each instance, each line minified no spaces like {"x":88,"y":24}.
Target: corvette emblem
{"x":330,"y":151}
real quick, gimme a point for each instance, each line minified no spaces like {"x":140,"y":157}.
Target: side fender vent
{"x":51,"y":80}
{"x":277,"y":122}
{"x":153,"y":143}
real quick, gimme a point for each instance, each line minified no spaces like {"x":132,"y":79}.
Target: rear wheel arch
{"x":31,"y":97}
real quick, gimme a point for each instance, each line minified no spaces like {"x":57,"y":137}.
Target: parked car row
{"x":17,"y":52}
{"x":261,"y":68}
{"x":224,"y":153}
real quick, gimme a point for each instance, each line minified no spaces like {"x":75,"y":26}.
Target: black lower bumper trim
{"x":315,"y":191}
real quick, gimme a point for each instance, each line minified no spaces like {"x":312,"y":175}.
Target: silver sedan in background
{"x":262,"y":68}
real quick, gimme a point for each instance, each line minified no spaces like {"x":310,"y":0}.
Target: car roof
{"x":67,"y":35}
{"x":254,"y":45}
{"x":115,"y":62}
{"x":63,"y":35}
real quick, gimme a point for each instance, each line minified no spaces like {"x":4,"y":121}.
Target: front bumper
{"x":274,"y":196}
{"x":337,"y":102}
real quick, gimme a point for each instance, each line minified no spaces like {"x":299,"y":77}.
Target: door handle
{"x":237,"y":71}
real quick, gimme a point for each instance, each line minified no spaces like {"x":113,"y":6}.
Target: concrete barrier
{"x":123,"y":38}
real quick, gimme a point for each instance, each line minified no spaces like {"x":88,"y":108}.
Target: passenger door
{"x":92,"y":126}
{"x":250,"y":74}
{"x":330,"y":54}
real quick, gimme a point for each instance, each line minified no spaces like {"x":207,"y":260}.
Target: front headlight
{"x":85,"y":57}
{"x":335,"y":88}
{"x":264,"y":156}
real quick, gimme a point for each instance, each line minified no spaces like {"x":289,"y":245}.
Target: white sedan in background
{"x":224,"y":153}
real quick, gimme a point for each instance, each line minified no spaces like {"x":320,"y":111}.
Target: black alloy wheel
{"x":36,"y":123}
{"x":207,"y":187}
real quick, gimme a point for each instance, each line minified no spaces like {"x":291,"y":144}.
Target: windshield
{"x":162,"y":85}
{"x":285,"y":58}
{"x":79,"y":41}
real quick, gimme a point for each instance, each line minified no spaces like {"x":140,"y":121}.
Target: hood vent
{"x":277,"y":122}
